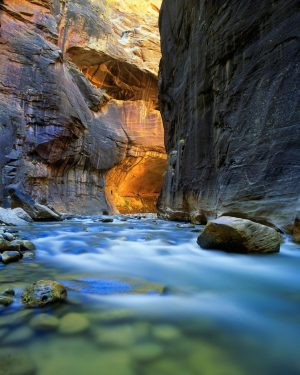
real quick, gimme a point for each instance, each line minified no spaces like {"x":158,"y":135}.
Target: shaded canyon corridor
{"x":150,"y":187}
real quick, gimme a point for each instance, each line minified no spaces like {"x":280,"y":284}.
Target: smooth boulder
{"x":11,"y":256}
{"x":43,"y":292}
{"x":10,"y":217}
{"x":237,"y":235}
{"x":73,"y":323}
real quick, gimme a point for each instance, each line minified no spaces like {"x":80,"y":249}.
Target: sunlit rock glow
{"x":79,"y":93}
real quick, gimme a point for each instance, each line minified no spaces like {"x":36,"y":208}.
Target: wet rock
{"x":185,"y":226}
{"x":107,"y":220}
{"x":11,"y":256}
{"x":125,"y":335}
{"x":205,"y":358}
{"x":28,"y":255}
{"x":122,"y":336}
{"x":296,"y":229}
{"x":9,"y":217}
{"x":8,"y":236}
{"x":27,"y":245}
{"x":44,"y":292}
{"x":73,"y":323}
{"x":8,"y":292}
{"x":44,"y":322}
{"x":6,"y":300}
{"x":18,"y":335}
{"x":36,"y":211}
{"x":16,"y":362}
{"x":145,"y":287}
{"x":11,"y":230}
{"x":146,"y":352}
{"x":239,"y":235}
{"x":15,"y":318}
{"x":9,"y":246}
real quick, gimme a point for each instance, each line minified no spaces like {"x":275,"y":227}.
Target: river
{"x":155,"y":303}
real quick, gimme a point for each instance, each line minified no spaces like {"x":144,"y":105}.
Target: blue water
{"x":203,"y":312}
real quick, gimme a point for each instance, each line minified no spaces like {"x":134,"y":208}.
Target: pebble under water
{"x":145,"y":299}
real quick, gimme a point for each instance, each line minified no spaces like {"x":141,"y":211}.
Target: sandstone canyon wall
{"x":79,"y":122}
{"x":229,"y":94}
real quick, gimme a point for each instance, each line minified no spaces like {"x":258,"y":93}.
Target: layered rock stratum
{"x":229,"y":94}
{"x":80,"y":128}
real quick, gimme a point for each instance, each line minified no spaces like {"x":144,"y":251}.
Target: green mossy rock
{"x":44,"y":322}
{"x":43,"y":292}
{"x":73,"y":323}
{"x":11,"y":256}
{"x":27,"y":245}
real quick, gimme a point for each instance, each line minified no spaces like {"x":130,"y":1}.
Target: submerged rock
{"x":148,"y":351}
{"x":44,"y":322}
{"x":28,"y":255}
{"x":237,"y":235}
{"x":122,"y":336}
{"x":73,"y":323}
{"x":165,"y":332}
{"x":16,"y":362}
{"x":6,"y":300}
{"x":43,"y":292}
{"x":19,"y":335}
{"x":11,"y":256}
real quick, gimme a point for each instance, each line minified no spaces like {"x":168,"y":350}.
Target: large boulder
{"x":35,"y":210}
{"x":22,"y":214}
{"x":237,"y":235}
{"x":43,"y":292}
{"x":10,"y":217}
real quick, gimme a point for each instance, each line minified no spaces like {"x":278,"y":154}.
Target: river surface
{"x":155,"y":303}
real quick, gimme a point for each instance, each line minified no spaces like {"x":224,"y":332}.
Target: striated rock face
{"x":78,"y":92}
{"x":229,"y":93}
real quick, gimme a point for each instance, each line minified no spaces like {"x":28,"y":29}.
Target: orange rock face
{"x":79,"y":125}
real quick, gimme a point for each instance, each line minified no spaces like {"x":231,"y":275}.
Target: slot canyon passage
{"x":150,"y":187}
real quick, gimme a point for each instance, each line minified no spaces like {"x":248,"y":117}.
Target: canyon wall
{"x":79,"y":122}
{"x":229,"y":96}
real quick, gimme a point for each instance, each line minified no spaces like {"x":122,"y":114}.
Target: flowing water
{"x":153,"y":303}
